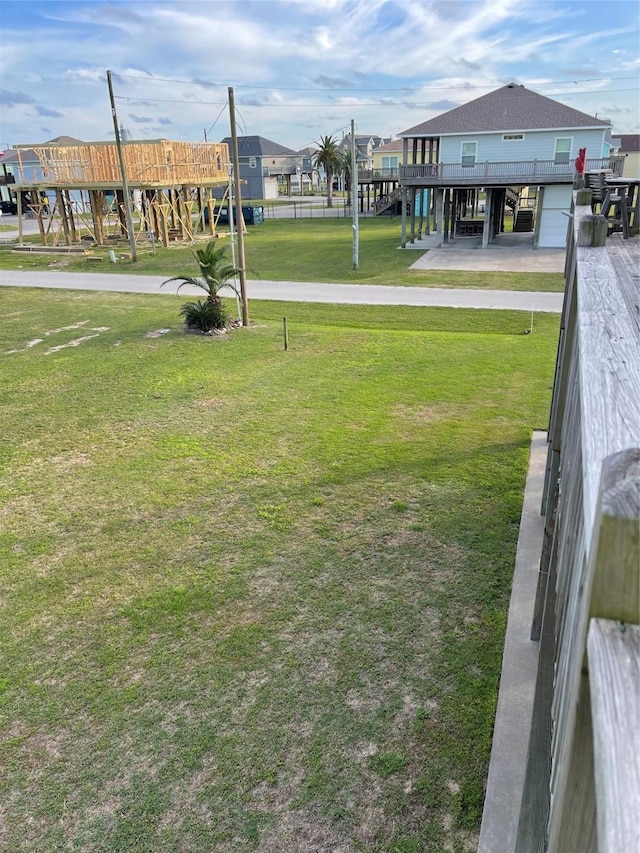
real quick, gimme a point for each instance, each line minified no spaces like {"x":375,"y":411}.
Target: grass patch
{"x":252,"y":599}
{"x":310,"y":250}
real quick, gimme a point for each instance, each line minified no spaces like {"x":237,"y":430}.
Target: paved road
{"x":299,"y":291}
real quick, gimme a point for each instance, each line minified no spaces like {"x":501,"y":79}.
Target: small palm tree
{"x":329,"y":158}
{"x":216,"y":273}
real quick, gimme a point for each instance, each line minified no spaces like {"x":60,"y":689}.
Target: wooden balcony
{"x":367,"y":176}
{"x":521,"y":173}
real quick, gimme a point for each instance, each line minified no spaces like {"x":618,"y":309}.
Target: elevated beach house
{"x":512,"y":151}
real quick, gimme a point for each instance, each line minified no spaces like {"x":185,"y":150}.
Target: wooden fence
{"x":582,"y":784}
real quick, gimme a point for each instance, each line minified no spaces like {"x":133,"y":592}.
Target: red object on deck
{"x":581,"y":160}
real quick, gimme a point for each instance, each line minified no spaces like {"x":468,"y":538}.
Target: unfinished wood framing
{"x":171,"y":185}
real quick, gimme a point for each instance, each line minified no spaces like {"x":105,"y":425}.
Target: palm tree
{"x":328,"y":156}
{"x":216,"y":273}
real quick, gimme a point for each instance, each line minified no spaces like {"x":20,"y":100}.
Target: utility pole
{"x":236,"y":180}
{"x":123,"y":174}
{"x":354,"y":195}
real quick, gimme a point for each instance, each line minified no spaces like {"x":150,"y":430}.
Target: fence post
{"x":609,"y":589}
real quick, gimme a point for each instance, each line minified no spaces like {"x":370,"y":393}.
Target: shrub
{"x":204,"y":315}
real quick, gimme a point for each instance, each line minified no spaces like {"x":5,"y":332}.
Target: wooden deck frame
{"x":172,"y":184}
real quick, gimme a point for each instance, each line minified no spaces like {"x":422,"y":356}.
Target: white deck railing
{"x":518,"y":171}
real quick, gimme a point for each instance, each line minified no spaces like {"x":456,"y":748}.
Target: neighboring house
{"x":387,"y":158}
{"x":23,"y":166}
{"x":501,"y":143}
{"x":630,"y":150}
{"x":264,"y":165}
{"x":365,"y":146}
{"x":305,"y":167}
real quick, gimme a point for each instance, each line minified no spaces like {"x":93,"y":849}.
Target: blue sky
{"x":304,"y":68}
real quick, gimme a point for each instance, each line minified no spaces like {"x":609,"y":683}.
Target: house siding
{"x":553,"y":222}
{"x":536,"y":145}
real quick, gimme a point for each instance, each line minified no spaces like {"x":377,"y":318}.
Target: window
{"x":512,"y":137}
{"x":469,"y":153}
{"x":562,"y":153}
{"x":389,"y":162}
{"x":252,"y":162}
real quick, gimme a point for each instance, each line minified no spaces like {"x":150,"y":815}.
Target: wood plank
{"x":610,"y":369}
{"x":614,"y":673}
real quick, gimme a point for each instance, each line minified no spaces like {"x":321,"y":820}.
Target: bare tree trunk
{"x":329,"y":187}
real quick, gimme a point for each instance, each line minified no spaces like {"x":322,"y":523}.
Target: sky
{"x":302,"y":69}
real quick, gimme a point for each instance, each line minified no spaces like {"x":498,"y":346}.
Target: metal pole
{"x":123,"y":174}
{"x":236,"y":179}
{"x":354,"y":195}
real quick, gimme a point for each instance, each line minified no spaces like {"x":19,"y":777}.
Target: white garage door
{"x":553,"y":222}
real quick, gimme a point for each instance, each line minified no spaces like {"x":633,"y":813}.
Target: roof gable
{"x":258,"y":146}
{"x":393,"y":145}
{"x":511,"y":107}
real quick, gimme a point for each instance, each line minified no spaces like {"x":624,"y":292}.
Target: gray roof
{"x":258,"y":146}
{"x":629,"y":142}
{"x":510,"y":108}
{"x":27,"y":155}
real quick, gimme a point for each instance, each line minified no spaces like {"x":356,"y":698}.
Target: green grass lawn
{"x":308,"y":250}
{"x":254,"y":600}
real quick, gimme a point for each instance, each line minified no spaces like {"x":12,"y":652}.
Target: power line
{"x":352,"y":104}
{"x":213,"y":84}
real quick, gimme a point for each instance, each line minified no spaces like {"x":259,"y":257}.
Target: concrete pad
{"x":493,"y":260}
{"x":519,"y":669}
{"x":507,"y":253}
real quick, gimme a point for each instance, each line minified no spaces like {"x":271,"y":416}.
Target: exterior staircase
{"x":384,"y":204}
{"x":523,"y":220}
{"x":512,"y":197}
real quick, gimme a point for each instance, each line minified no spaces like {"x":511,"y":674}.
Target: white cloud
{"x":267,"y":50}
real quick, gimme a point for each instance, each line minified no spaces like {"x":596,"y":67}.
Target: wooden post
{"x":239,"y":219}
{"x":614,"y":674}
{"x":123,"y":173}
{"x":403,"y":195}
{"x":286,"y":333}
{"x":95,"y":197}
{"x":19,"y":199}
{"x":592,"y":231}
{"x":72,"y":224}
{"x":63,"y":216}
{"x":445,"y":216}
{"x":609,"y":589}
{"x":439,"y":201}
{"x":488,"y":223}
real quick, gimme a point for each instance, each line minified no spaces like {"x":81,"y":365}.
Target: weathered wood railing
{"x":582,"y":785}
{"x":504,"y":172}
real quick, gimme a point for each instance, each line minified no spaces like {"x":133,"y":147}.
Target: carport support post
{"x":405,"y":160}
{"x":538,"y":215}
{"x":488,"y":219}
{"x":447,"y":213}
{"x":439,"y":215}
